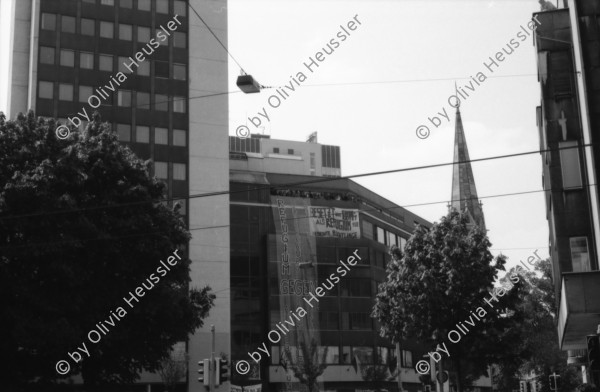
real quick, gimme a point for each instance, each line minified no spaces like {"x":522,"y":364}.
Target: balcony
{"x":579,"y":313}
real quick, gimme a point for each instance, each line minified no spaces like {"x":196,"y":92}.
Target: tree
{"x":444,"y":278}
{"x":173,"y":370}
{"x":309,"y":365}
{"x":538,"y":351}
{"x":380,"y":372}
{"x":81,"y":228}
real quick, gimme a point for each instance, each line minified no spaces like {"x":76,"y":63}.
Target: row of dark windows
{"x":238,"y":144}
{"x":178,"y":7}
{"x":106,"y":62}
{"x":349,"y":321}
{"x":330,"y":156}
{"x":110,"y":30}
{"x":124,"y":98}
{"x":347,"y":287}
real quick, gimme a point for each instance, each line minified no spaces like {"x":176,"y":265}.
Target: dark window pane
{"x":46,"y":55}
{"x":48,"y":21}
{"x":88,"y":26}
{"x":67,"y":24}
{"x":161,"y":69}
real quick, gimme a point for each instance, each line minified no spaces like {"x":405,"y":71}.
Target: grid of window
{"x":179,"y":137}
{"x":580,"y":256}
{"x":107,"y":29}
{"x":161,"y":169}
{"x":67,"y":58}
{"x":46,"y":90}
{"x":105,"y":62}
{"x":142,"y":100}
{"x":179,"y":39}
{"x":86,"y":60}
{"x":330,"y":156}
{"x":161,"y":102}
{"x":162,"y":6}
{"x":161,"y":136}
{"x":380,"y":235}
{"x":143,"y":34}
{"x":65,"y":92}
{"x":407,"y":359}
{"x":367,"y":229}
{"x":85,"y":92}
{"x":48,"y":21}
{"x":142,"y":134}
{"x":331,"y":354}
{"x":126,"y":3}
{"x":124,"y":132}
{"x":569,"y":163}
{"x":46,"y":55}
{"x":88,"y":26}
{"x":143,"y":5}
{"x":237,"y":144}
{"x":356,"y":287}
{"x":180,"y":8}
{"x":360,"y":321}
{"x":161,"y":69}
{"x":179,"y":104}
{"x":179,"y":171}
{"x":329,"y":321}
{"x":143,"y":68}
{"x":179,"y":72}
{"x":67,"y":24}
{"x":125,"y":32}
{"x":124,"y":98}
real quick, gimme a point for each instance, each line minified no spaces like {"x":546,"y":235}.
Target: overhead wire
{"x":298,"y":183}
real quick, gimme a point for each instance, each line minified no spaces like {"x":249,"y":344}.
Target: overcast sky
{"x":396,"y":69}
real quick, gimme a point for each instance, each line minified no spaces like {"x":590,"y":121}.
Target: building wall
{"x":255,"y":285}
{"x":19,"y":48}
{"x":209,"y":172}
{"x":568,"y":210}
{"x":266,"y":155}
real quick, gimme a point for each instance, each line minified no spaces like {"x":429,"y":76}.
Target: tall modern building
{"x":145,"y":66}
{"x":568,"y":118}
{"x":464,"y":193}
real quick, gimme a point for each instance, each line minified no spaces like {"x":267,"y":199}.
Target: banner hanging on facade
{"x":334,"y":222}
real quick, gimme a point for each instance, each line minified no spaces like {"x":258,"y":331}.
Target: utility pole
{"x":554,"y":376}
{"x":213,"y":367}
{"x":399,"y":365}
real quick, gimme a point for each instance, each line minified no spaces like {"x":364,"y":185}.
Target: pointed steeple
{"x":464,"y":192}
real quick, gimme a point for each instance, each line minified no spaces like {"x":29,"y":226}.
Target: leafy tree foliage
{"x":538,"y":352}
{"x":80,"y":228}
{"x":310,"y":365}
{"x":443,"y":278}
{"x":380,"y":373}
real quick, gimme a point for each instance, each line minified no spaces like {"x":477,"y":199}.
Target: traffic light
{"x":523,"y":386}
{"x":554,"y":380}
{"x":593,"y":349}
{"x":222,"y":369}
{"x":204,"y":370}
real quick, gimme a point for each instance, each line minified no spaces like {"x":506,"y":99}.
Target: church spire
{"x":464,"y":192}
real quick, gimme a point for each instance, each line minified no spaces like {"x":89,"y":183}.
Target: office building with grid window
{"x":61,"y":53}
{"x":324,"y":223}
